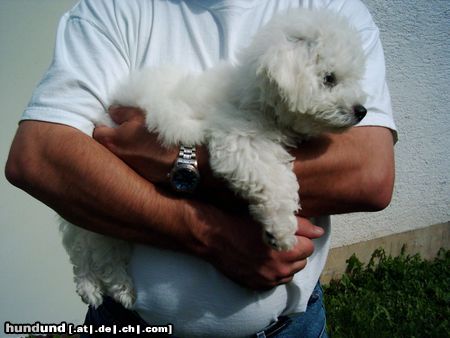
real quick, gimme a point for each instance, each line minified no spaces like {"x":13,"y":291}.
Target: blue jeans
{"x":310,"y":324}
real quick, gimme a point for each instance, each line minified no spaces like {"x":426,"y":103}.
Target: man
{"x":196,"y":264}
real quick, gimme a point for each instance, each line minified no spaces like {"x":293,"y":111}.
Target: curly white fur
{"x":298,"y":78}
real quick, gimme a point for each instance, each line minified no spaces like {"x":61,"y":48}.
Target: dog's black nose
{"x":359,"y":111}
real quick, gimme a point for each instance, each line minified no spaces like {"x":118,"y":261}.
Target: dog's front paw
{"x":90,"y":292}
{"x":123,"y":292}
{"x":127,"y":300}
{"x":284,"y":243}
{"x":279,"y":230}
{"x":126,"y":297}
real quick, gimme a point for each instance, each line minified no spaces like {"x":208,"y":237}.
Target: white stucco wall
{"x":416,"y":39}
{"x":36,"y":282}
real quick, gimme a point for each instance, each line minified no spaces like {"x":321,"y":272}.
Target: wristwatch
{"x":185,"y":176}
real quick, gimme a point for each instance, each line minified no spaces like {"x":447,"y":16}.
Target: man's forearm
{"x":338,"y":173}
{"x":348,"y":172}
{"x":89,"y":186}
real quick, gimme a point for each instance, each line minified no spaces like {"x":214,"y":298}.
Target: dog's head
{"x":309,"y":65}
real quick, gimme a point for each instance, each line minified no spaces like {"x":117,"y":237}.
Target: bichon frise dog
{"x":299,"y":77}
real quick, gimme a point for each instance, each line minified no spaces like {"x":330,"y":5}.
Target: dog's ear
{"x":284,"y":65}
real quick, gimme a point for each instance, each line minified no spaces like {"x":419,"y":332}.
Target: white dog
{"x":298,"y":78}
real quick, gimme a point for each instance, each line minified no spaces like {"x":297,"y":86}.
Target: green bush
{"x":392,"y":297}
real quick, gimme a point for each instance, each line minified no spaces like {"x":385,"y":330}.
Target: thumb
{"x":307,"y":229}
{"x":122,"y":114}
{"x":104,"y":135}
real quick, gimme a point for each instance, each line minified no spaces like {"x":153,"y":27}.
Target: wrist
{"x":199,"y":233}
{"x":209,"y":181}
{"x":166,"y":159}
{"x":184,"y":176}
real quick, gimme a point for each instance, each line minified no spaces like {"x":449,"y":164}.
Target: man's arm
{"x":91,"y":187}
{"x":86,"y":184}
{"x":349,"y":172}
{"x":338,"y":173}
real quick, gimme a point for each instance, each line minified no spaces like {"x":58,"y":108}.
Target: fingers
{"x":280,"y":267}
{"x":297,"y":266}
{"x":307,"y":229}
{"x":121,"y":114}
{"x":278,"y":272}
{"x":302,"y":250}
{"x":104,"y":135}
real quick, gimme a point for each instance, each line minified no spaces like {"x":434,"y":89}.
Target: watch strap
{"x":187,"y":155}
{"x":185,"y":176}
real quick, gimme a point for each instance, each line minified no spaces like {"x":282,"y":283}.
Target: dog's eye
{"x":294,"y":38}
{"x":329,"y":80}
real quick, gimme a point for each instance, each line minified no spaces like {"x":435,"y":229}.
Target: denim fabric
{"x":310,"y":324}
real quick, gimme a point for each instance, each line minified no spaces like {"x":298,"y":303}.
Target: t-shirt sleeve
{"x":87,"y":64}
{"x":378,"y":103}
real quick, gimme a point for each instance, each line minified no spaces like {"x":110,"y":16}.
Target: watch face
{"x":185,"y":179}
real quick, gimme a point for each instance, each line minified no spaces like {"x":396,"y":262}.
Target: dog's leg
{"x":112,"y":268}
{"x":77,"y":242}
{"x":99,"y":265}
{"x":88,"y":287}
{"x":260,"y":171}
{"x":168,"y":97}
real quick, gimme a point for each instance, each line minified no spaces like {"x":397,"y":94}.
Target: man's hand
{"x":134,"y":145}
{"x":233,"y":243}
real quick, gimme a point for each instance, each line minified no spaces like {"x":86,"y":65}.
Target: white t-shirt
{"x":98,"y":43}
